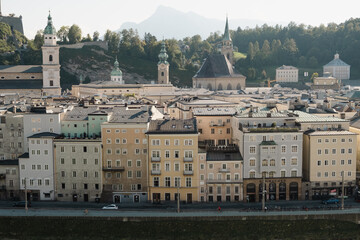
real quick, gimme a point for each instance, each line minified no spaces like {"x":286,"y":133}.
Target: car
{"x":21,"y":204}
{"x":331,"y":200}
{"x":111,"y":206}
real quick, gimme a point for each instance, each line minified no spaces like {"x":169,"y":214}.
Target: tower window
{"x":50,"y":58}
{"x":51,"y":83}
{"x":162,"y":74}
{"x":49,"y":37}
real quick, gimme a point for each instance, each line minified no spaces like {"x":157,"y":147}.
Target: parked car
{"x":21,"y":204}
{"x":111,"y":206}
{"x":331,"y":201}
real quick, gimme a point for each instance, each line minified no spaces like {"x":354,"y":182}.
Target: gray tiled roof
{"x":174,"y":126}
{"x":283,"y":67}
{"x":336,"y":62}
{"x":328,"y":133}
{"x":216,"y":65}
{"x":122,"y":115}
{"x":305,"y":117}
{"x":79,"y":113}
{"x":217,"y":111}
{"x":20,"y":69}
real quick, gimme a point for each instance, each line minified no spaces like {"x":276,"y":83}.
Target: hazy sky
{"x":92,"y":15}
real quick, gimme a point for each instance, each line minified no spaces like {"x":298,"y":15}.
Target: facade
{"x":217,"y":73}
{"x":11,"y":135}
{"x":116,"y":73}
{"x":163,"y":66}
{"x":173,"y":161}
{"x":221,"y":174}
{"x":287,"y":74}
{"x":9,"y":180}
{"x":327,"y":155}
{"x":338,"y":68}
{"x":78,"y":170}
{"x":271,"y":146}
{"x":326,"y":82}
{"x":125,"y":155}
{"x":214,"y":125}
{"x":37,"y":167}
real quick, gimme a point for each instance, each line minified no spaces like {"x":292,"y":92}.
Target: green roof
{"x":50,"y":29}
{"x":227,"y":33}
{"x":163,"y":55}
{"x":116,"y":70}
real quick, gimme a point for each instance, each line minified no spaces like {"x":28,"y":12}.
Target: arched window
{"x":162,"y":74}
{"x":264,"y":163}
{"x":229,"y":87}
{"x":272,"y":162}
{"x":209,"y":87}
{"x":220,"y":87}
{"x":238,"y":87}
{"x":51,"y":83}
{"x":50,"y":58}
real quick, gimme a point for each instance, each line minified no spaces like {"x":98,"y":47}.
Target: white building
{"x":287,"y":74}
{"x":338,"y":68}
{"x":40,"y":122}
{"x":37,"y":167}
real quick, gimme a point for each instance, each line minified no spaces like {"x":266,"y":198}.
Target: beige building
{"x":326,"y":82}
{"x":125,"y":154}
{"x":221,"y":174}
{"x":11,"y":135}
{"x":287,"y":74}
{"x":214,"y":125}
{"x":78,"y":170}
{"x":173,"y":160}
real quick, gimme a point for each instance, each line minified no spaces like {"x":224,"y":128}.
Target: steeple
{"x":226,"y":32}
{"x":116,"y":73}
{"x":163,"y":65}
{"x":163,"y":55}
{"x":50,"y":29}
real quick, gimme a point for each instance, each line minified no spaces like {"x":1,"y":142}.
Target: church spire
{"x":226,"y":32}
{"x":50,"y":29}
{"x":163,"y":55}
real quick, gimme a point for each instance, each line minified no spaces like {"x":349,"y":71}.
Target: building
{"x":14,"y":22}
{"x":214,"y":125}
{"x":9,"y":180}
{"x":221,"y":174}
{"x":325,"y":82}
{"x":11,"y":135}
{"x":287,"y":74}
{"x":78,"y":169}
{"x":338,"y":68}
{"x":125,"y":154}
{"x":271,"y":146}
{"x":35,"y":79}
{"x":226,"y":45}
{"x":37,"y":167}
{"x":217,"y":73}
{"x":163,"y":66}
{"x":116,"y":73}
{"x":173,"y":161}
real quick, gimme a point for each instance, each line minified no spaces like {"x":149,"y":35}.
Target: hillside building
{"x":286,"y":74}
{"x":338,"y":68}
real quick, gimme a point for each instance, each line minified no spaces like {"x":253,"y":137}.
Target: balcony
{"x":155,"y":159}
{"x":217,"y":124}
{"x":224,"y":170}
{"x":155,"y":172}
{"x":188,"y":159}
{"x":114,"y":169}
{"x":188,"y":172}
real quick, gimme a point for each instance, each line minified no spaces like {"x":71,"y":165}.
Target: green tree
{"x":74,"y":34}
{"x":96,"y":36}
{"x":39,"y":39}
{"x":63,"y":33}
{"x":251,"y":52}
{"x":266,"y":47}
{"x":314,"y":75}
{"x":251,"y":73}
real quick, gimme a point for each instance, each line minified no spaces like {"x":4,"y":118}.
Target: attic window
{"x":32,"y":76}
{"x":17,"y":77}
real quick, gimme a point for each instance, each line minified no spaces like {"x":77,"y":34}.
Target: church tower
{"x":163,"y":66}
{"x":116,"y":74}
{"x":226,"y":44}
{"x":51,"y":63}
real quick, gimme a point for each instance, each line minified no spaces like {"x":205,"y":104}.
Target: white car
{"x":111,"y":206}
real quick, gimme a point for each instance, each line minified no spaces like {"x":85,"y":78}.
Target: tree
{"x":314,"y":75}
{"x":251,"y":52}
{"x":251,"y":73}
{"x":74,"y":34}
{"x":113,"y":40}
{"x":39,"y":39}
{"x":87,"y":39}
{"x":63,"y":33}
{"x":313,"y":62}
{"x":96,"y":36}
{"x":265,"y":47}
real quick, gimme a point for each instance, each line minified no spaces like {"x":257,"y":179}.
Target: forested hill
{"x":258,"y":51}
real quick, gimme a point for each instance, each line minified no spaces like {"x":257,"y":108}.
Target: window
{"x":283,"y":162}
{"x":177,"y":167}
{"x":62,"y":173}
{"x":319,"y":140}
{"x":283,"y":173}
{"x":318,"y":174}
{"x":73,"y":161}
{"x":129,"y":163}
{"x":342,"y":151}
{"x":167,"y":182}
{"x":167,"y":142}
{"x":167,"y":166}
{"x":73,"y":149}
{"x":350,"y":150}
{"x":343,"y":140}
{"x":129,"y":174}
{"x":211,"y":166}
{"x":333,"y":162}
{"x":350,"y":140}
{"x":283,"y":149}
{"x":96,"y":161}
{"x":252,"y":149}
{"x":236,"y":176}
{"x":188,"y":142}
{"x":293,"y":161}
{"x":349,"y":161}
{"x":124,"y":141}
{"x":188,"y":182}
{"x":155,"y":142}
{"x":326,"y":162}
{"x":47,"y":182}
{"x":74,"y":174}
{"x":117,"y":140}
{"x":156,"y":181}
{"x":272,"y":162}
{"x":319,"y":151}
{"x":264,"y":163}
{"x":74,"y":186}
{"x":96,"y":149}
{"x":342,"y":162}
{"x":252,"y":162}
{"x":138,"y":174}
{"x":138,"y":163}
{"x":176,"y":154}
{"x":326,"y":151}
{"x":177,"y":182}
{"x":137,"y":151}
{"x":333,"y":151}
{"x":137,"y":141}
{"x":62,"y":149}
{"x":212,"y":131}
{"x":319,"y":163}
{"x":252,"y":174}
{"x":167,"y":154}
{"x":326,"y":174}
{"x":176,"y":142}
{"x":85,"y":174}
{"x":294,"y":149}
{"x":349,"y":173}
{"x":333,"y":174}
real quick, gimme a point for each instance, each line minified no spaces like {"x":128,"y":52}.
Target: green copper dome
{"x":163,"y":55}
{"x":116,"y":70}
{"x":50,"y":29}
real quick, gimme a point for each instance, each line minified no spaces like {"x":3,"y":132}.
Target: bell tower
{"x":163,"y":66}
{"x":226,"y":44}
{"x":51,"y":63}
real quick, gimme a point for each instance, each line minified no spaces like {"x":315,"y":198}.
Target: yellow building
{"x":173,"y":160}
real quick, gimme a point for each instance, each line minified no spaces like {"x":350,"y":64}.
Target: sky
{"x":100,"y":15}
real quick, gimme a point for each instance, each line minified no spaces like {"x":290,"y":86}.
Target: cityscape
{"x":85,"y":135}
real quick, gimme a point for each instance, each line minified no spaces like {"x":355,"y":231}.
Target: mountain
{"x":167,"y":22}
